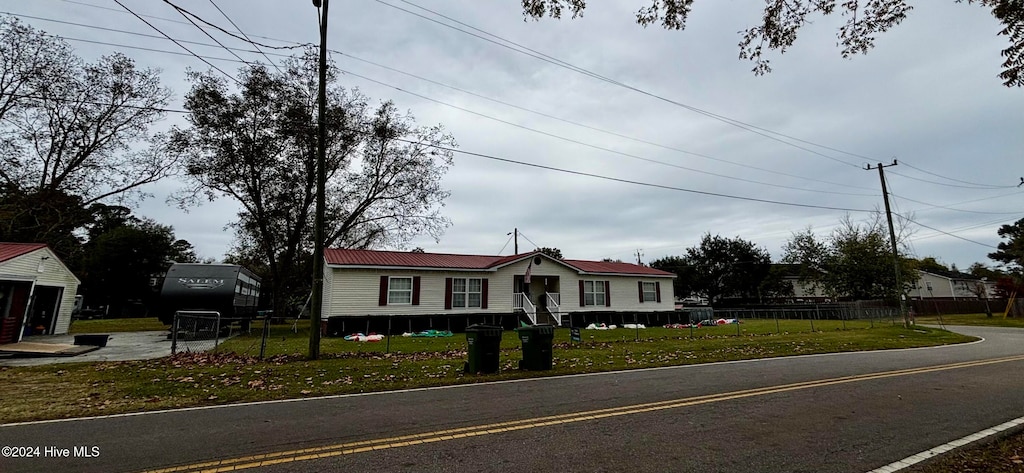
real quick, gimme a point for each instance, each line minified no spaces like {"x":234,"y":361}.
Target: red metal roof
{"x":615,"y":268}
{"x":449,"y":261}
{"x":407,"y":259}
{"x":14,"y":250}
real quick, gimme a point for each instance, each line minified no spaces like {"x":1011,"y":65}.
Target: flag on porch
{"x":529,"y":269}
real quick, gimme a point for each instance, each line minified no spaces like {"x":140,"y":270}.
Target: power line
{"x":271,"y":61}
{"x":566,"y":171}
{"x":95,"y":102}
{"x":506,"y":244}
{"x":129,"y":10}
{"x":183,"y":13}
{"x":946,"y":233}
{"x":946,"y":183}
{"x":589,"y":145}
{"x":589,"y":127}
{"x":231,"y":50}
{"x":911,"y":166}
{"x":142,"y":48}
{"x":552,"y":135}
{"x":543,"y":57}
{"x":535,"y":245}
{"x":628,"y":181}
{"x":954,"y":209}
{"x":969,"y":227}
{"x":366,"y":78}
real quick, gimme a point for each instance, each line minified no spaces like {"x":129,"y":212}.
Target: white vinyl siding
{"x":53,"y":274}
{"x":356,"y":292}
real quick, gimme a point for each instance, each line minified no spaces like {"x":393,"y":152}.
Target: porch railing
{"x":521,"y":302}
{"x":553,"y":302}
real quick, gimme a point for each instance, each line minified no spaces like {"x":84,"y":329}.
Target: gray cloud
{"x":928,"y":94}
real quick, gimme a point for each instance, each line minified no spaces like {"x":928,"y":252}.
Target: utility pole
{"x":316,"y":302}
{"x":516,"y":232}
{"x":639,"y":255}
{"x":892,"y":239}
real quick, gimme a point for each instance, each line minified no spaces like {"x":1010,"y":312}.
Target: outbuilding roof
{"x":441,"y":261}
{"x":14,"y":250}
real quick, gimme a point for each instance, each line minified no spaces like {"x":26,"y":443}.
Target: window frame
{"x":590,"y":293}
{"x":466,"y":293}
{"x":653,"y":293}
{"x":392,"y":291}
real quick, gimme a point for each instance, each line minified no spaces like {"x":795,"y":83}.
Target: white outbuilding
{"x":37,"y":292}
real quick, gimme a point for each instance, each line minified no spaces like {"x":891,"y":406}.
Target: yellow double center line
{"x":350,"y":448}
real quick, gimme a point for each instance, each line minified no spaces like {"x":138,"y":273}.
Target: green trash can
{"x":537,"y":341}
{"x":484,"y":348}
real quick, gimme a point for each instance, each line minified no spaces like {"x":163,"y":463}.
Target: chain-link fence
{"x":199,"y":331}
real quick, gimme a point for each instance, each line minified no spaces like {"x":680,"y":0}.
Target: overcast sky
{"x":927,"y":95}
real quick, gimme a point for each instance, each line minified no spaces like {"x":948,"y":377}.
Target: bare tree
{"x":75,"y":127}
{"x":258,"y":147}
{"x":782,"y":19}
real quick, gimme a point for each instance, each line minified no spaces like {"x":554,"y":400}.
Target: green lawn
{"x":233,"y":374}
{"x":116,"y":325}
{"x":997,"y":320}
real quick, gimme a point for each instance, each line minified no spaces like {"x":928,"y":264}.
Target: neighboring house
{"x":534,"y":285}
{"x":953,"y":285}
{"x":37,"y":292}
{"x":803,"y":290}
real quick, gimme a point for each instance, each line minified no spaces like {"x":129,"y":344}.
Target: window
{"x":593,"y":293}
{"x":400,"y":291}
{"x":650,"y":292}
{"x":466,"y":292}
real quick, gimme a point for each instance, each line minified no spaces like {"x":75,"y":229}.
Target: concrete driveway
{"x":122,"y":346}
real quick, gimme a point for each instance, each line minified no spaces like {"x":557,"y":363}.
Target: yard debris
{"x":602,"y":326}
{"x":359,"y":337}
{"x":429,"y":334}
{"x":633,"y":326}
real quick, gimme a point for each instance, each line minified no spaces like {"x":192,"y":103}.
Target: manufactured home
{"x":532,"y":287}
{"x":37,"y":292}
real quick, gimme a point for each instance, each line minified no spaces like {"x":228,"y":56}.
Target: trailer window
{"x":400,"y":291}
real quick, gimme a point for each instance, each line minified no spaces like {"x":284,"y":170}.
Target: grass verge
{"x":997,"y":320}
{"x":232,"y":375}
{"x":116,"y":325}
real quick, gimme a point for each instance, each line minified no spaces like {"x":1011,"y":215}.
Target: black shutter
{"x":415,"y":290}
{"x":483,"y":293}
{"x":383,"y":299}
{"x":447,"y":293}
{"x":582,"y":301}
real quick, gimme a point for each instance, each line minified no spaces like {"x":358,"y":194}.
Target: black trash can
{"x":537,"y":341}
{"x":484,"y":348}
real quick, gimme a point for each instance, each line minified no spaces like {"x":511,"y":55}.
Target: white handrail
{"x":553,"y":307}
{"x":521,"y":302}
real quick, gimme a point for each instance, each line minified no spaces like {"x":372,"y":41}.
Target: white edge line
{"x":947,"y":447}
{"x":470,"y":385}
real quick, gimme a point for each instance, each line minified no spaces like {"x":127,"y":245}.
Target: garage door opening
{"x":43,"y":313}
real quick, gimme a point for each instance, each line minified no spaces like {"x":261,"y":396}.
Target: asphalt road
{"x":843,"y":413}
